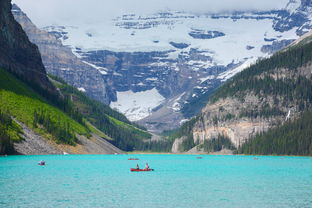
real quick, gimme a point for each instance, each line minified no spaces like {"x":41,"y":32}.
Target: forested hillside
{"x":10,"y":132}
{"x":119,"y":130}
{"x":269,"y":77}
{"x":292,"y":138}
{"x":55,"y":120}
{"x":264,"y":109}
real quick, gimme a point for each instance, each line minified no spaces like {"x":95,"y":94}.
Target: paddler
{"x":146,"y":166}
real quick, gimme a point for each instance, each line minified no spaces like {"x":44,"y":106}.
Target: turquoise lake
{"x":178,"y":181}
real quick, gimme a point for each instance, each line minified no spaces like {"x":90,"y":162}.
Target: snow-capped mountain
{"x":161,"y":67}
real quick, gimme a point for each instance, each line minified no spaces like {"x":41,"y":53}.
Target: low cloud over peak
{"x":47,"y":12}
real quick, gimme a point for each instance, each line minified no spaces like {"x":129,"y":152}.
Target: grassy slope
{"x":21,"y":101}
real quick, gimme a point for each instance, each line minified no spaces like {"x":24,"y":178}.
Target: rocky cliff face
{"x":143,"y":71}
{"x":176,"y":146}
{"x":17,"y":54}
{"x":225,"y":117}
{"x":295,"y":15}
{"x":60,"y":61}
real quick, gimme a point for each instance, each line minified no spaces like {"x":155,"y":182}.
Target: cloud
{"x":47,"y":12}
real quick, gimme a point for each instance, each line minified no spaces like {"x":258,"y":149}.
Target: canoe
{"x":41,"y":163}
{"x":139,"y":170}
{"x":133,"y":159}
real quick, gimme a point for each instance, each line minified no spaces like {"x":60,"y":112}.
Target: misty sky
{"x":48,"y":12}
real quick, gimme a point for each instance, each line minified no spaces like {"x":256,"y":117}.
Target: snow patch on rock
{"x":81,"y":89}
{"x":138,"y":105}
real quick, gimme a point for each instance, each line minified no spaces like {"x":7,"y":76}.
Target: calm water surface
{"x":178,"y":181}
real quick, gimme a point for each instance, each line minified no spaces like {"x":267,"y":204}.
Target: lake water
{"x":178,"y":181}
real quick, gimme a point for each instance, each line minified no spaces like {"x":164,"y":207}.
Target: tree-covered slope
{"x":73,"y":114}
{"x":269,"y":76}
{"x":122,"y":133}
{"x":10,"y":132}
{"x":20,"y":101}
{"x":252,"y":106}
{"x":292,"y":138}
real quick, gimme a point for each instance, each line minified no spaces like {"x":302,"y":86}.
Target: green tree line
{"x":292,"y":138}
{"x":217,"y":144}
{"x":60,"y":129}
{"x":186,"y":130}
{"x":290,"y":59}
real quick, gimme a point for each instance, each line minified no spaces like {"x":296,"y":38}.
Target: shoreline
{"x":161,"y":153}
{"x":165,"y":153}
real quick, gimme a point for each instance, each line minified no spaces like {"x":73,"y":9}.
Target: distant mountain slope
{"x":119,"y":130}
{"x":178,"y":57}
{"x":274,"y":92}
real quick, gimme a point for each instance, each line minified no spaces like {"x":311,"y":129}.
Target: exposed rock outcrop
{"x":177,"y":145}
{"x":225,"y":118}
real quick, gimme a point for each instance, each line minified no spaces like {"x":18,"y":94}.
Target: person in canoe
{"x":42,"y":162}
{"x":137,"y":167}
{"x":146,"y":166}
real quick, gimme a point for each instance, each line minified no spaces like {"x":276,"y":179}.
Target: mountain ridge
{"x":178,"y":54}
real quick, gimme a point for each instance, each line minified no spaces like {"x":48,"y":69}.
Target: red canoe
{"x":133,"y":159}
{"x":139,"y":170}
